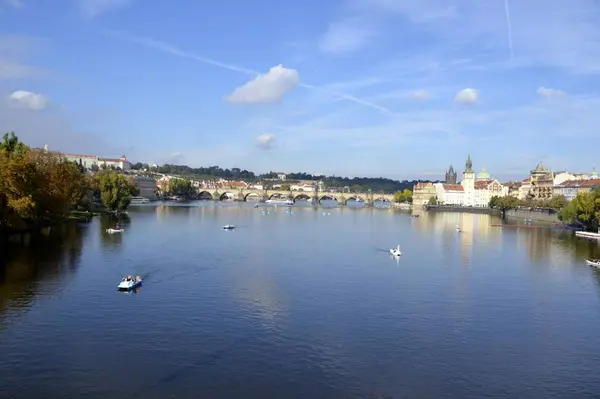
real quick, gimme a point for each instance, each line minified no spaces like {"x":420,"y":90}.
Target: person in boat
{"x":118,"y":226}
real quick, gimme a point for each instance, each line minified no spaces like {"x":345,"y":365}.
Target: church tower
{"x":451,"y":176}
{"x":468,"y":182}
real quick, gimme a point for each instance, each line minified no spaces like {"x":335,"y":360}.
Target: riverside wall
{"x":538,"y":216}
{"x":468,"y":209}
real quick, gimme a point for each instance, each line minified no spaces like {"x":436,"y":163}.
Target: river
{"x":307,"y":304}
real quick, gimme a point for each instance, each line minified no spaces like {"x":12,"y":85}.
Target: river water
{"x":307,"y":304}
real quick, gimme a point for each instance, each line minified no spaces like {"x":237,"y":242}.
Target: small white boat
{"x":457,"y":228}
{"x":228,"y":227}
{"x":113,"y":231}
{"x":129,"y":283}
{"x":593,"y":262}
{"x":396,"y":251}
{"x":139,"y":200}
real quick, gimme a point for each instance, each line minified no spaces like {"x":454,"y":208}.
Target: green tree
{"x":408,"y":195}
{"x":115,"y":189}
{"x":285,"y":187}
{"x":11,"y":144}
{"x":432,"y":200}
{"x":399,"y":197}
{"x":179,"y":186}
{"x":583,"y":209}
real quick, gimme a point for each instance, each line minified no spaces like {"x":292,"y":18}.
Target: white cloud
{"x":345,"y":36}
{"x":93,"y":8}
{"x":419,"y":95}
{"x":467,"y":96}
{"x":550,"y":93}
{"x":28,"y":100}
{"x":265,"y":141}
{"x":266,"y":88}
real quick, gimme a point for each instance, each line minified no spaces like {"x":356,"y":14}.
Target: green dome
{"x":483,"y":175}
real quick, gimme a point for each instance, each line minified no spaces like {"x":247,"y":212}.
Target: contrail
{"x":170,"y":49}
{"x":509,"y":24}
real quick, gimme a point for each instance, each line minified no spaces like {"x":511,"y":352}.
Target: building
{"x":92,"y":161}
{"x":570,"y":188}
{"x":475,"y":190}
{"x":117,"y":163}
{"x":449,"y":194}
{"x":451,"y":176}
{"x":541,"y":180}
{"x":281,"y":176}
{"x":422,"y":192}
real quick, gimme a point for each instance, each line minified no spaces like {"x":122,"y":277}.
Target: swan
{"x":457,"y":228}
{"x":396,"y":251}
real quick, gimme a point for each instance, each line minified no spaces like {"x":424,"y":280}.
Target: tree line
{"x":355,"y":184}
{"x":583,"y":210}
{"x":39,"y":188}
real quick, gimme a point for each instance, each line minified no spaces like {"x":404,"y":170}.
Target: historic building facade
{"x":422,"y":192}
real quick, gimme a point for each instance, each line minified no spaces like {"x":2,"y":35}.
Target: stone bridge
{"x":317,"y":197}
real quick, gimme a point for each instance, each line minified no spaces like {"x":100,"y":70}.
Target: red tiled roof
{"x":590,"y":183}
{"x":453,"y":187}
{"x":482,"y":184}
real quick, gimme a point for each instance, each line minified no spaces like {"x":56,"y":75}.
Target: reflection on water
{"x":40,"y":268}
{"x":300,"y":305}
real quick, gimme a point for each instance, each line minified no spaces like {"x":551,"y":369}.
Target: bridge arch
{"x":301,"y":197}
{"x":205,"y":195}
{"x":227,"y":195}
{"x":278,"y":196}
{"x":354,"y":198}
{"x":251,"y":195}
{"x":328,"y":197}
{"x":382,"y":199}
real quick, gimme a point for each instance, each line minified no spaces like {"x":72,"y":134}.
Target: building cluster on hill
{"x":476,"y":190}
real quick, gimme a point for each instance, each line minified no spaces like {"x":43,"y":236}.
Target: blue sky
{"x":391,"y":88}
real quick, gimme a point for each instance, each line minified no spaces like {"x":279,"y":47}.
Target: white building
{"x":88,"y":161}
{"x":472,"y":191}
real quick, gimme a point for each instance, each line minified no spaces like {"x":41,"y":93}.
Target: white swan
{"x":396,"y":251}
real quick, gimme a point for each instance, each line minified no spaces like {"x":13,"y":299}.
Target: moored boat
{"x":228,"y":227}
{"x":129,"y":283}
{"x":113,"y":231}
{"x":593,"y":262}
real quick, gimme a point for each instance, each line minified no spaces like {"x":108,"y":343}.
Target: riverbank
{"x":26,"y":234}
{"x":537,"y":216}
{"x":468,"y":209}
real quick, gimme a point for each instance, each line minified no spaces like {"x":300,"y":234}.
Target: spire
{"x":469,"y":165}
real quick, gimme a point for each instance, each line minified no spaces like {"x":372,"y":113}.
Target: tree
{"x":36,"y":186}
{"x":285,"y":187}
{"x":178,"y":186}
{"x":432,"y":200}
{"x":583,"y":209}
{"x":115,"y":189}
{"x":408,"y":195}
{"x":11,"y":144}
{"x":94,"y":168}
{"x":399,"y":197}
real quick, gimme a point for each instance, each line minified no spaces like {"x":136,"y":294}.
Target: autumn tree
{"x":36,"y":186}
{"x":115,"y":189}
